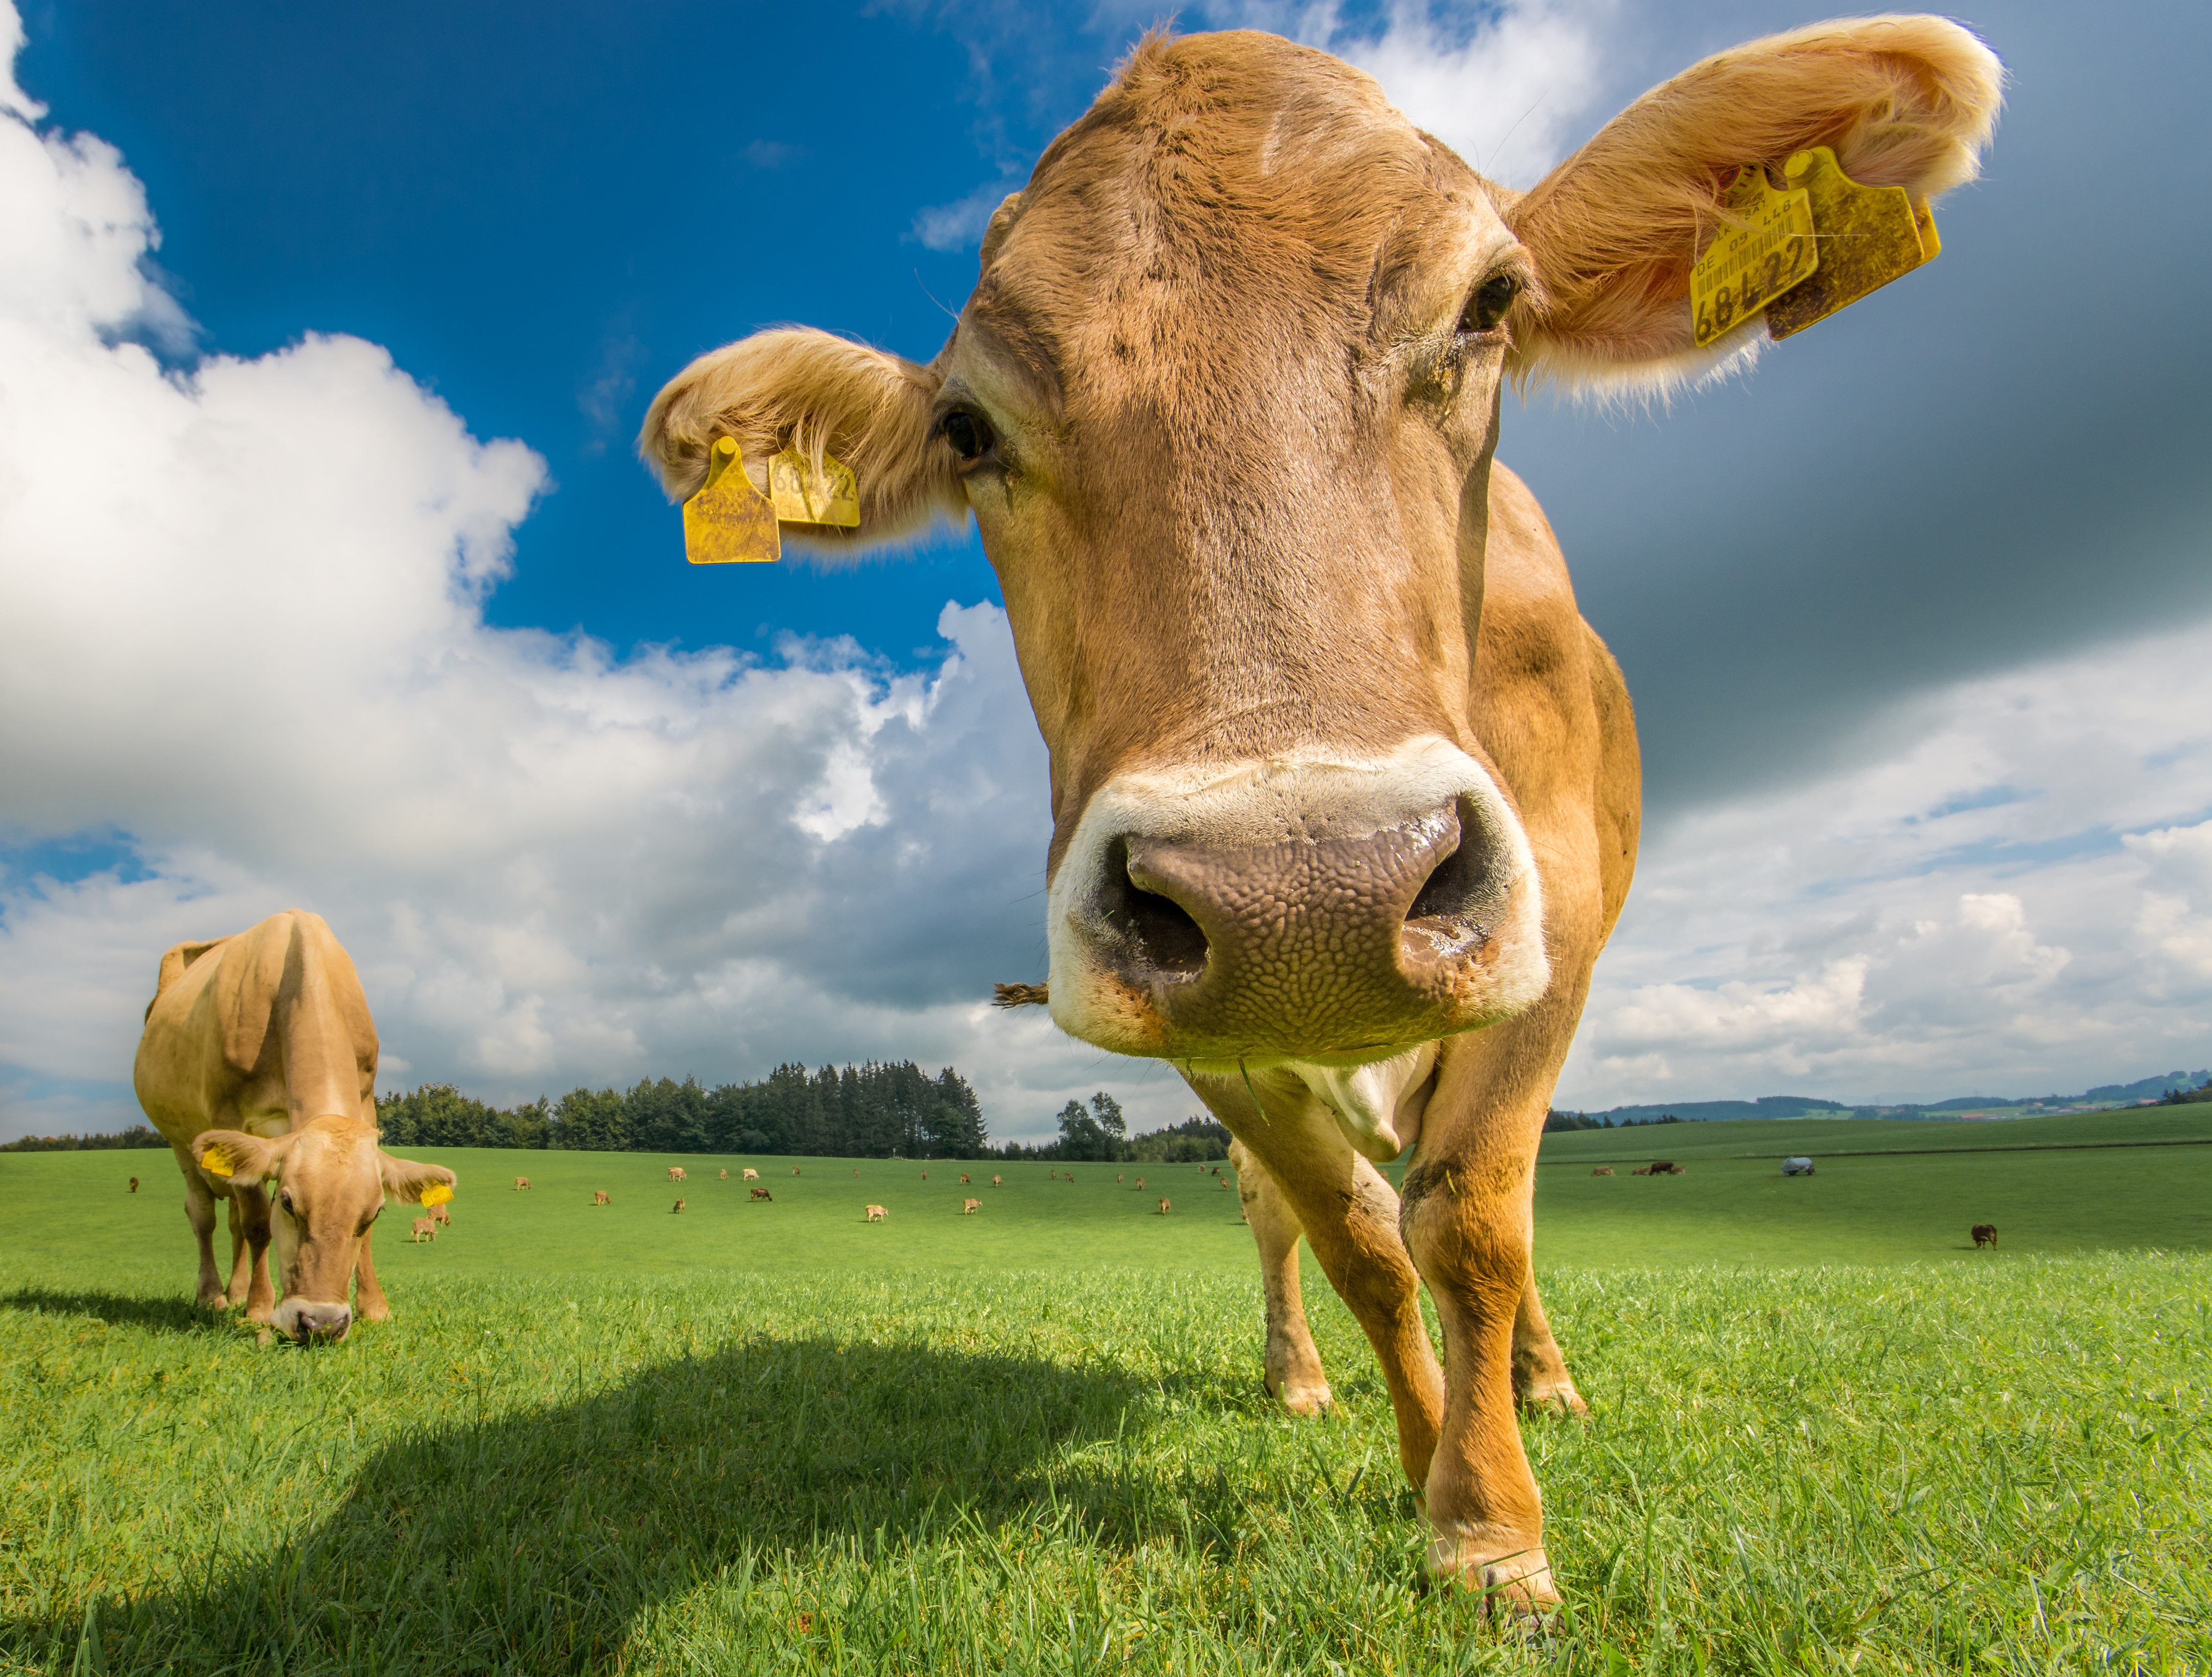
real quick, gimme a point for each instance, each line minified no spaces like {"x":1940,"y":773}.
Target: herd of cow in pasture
{"x":1346,"y":793}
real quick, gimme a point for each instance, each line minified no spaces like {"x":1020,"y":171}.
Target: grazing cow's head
{"x":329,"y":1180}
{"x":1223,"y":404}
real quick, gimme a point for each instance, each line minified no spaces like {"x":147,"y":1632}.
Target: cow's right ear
{"x":407,"y":1183}
{"x":242,"y":1161}
{"x":824,"y":395}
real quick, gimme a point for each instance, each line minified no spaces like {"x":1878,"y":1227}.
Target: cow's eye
{"x":1492,"y":299}
{"x":284,"y":1199}
{"x":969,"y":437}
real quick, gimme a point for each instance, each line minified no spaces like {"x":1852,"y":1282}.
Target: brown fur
{"x":258,"y":1051}
{"x":1985,"y":1234}
{"x":968,"y":1208}
{"x":678,"y":1205}
{"x":876,"y":1214}
{"x":1603,"y":1170}
{"x":761,"y":1194}
{"x":421,"y":1230}
{"x":600,"y":1198}
{"x":1243,"y":509}
{"x":676,"y":1173}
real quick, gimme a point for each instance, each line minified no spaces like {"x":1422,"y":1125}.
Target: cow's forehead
{"x":1222,"y":180}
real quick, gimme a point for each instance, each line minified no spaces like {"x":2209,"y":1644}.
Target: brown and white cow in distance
{"x":258,"y":1065}
{"x":1345,"y":793}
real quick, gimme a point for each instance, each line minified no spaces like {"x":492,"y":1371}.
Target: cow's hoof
{"x":1303,"y":1397}
{"x":262,"y":1311}
{"x":1555,"y":1397}
{"x":371,"y":1310}
{"x":1516,"y":1585}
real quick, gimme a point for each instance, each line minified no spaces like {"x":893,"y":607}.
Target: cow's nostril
{"x":1461,"y":888}
{"x":1163,"y":934}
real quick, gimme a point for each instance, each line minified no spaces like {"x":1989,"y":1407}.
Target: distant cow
{"x":751,"y":1175}
{"x":1800,"y":1167}
{"x":965,"y":1179}
{"x":1164,"y":1207}
{"x":1140,"y":1182}
{"x":441,"y":1216}
{"x":763,"y":1194}
{"x":794,"y":1170}
{"x":600,"y":1198}
{"x":676,"y":1173}
{"x":726,"y":1175}
{"x":969,"y":1207}
{"x":134,"y":1185}
{"x":1985,"y":1234}
{"x":876,"y":1214}
{"x":1224,"y":1185}
{"x":925,"y":1176}
{"x":1664,"y":1167}
{"x":259,"y":1067}
{"x":422,"y":1229}
{"x":997,"y":1183}
{"x":1641,"y":1171}
{"x":678,"y":1205}
{"x":1603,"y":1170}
{"x":521,"y":1183}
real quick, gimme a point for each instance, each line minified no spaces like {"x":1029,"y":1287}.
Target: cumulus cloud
{"x":2016,"y":898}
{"x":241,"y":645}
{"x":960,"y":225}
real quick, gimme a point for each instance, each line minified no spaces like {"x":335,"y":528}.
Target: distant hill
{"x":1958,"y":1107}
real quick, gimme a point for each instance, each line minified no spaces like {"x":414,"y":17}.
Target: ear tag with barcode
{"x":1764,"y":247}
{"x":729,"y":522}
{"x":1868,"y":236}
{"x":803,"y":496}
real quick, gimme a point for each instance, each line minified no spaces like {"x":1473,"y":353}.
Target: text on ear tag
{"x":729,"y":522}
{"x":1868,"y":236}
{"x":436,"y":1193}
{"x":1765,"y":247}
{"x":215,"y":1164}
{"x":803,"y":497}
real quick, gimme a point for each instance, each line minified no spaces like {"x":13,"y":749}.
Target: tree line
{"x":1556,"y":1121}
{"x":138,"y":1135}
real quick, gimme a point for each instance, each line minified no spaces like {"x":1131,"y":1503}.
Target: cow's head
{"x":327,"y":1180}
{"x":1223,"y":404}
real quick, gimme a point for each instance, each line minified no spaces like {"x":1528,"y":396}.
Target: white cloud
{"x":960,"y":225}
{"x":2018,"y":900}
{"x":240,"y":624}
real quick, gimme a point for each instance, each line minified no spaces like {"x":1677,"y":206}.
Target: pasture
{"x":771,"y":1437}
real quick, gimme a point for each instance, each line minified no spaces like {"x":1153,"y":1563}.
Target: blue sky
{"x":1911,"y":614}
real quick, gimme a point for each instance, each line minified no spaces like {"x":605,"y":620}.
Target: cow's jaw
{"x":1316,"y":909}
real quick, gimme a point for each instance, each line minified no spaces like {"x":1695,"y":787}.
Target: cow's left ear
{"x":406,"y":1182}
{"x":798,"y":388}
{"x":1615,"y":230}
{"x":243,"y":1160}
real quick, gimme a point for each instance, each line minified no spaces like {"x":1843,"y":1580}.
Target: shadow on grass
{"x":532,"y":1542}
{"x":173,"y":1313}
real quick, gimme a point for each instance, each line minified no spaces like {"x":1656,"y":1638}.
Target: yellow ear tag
{"x":1868,"y":236}
{"x":729,"y":522}
{"x":215,"y":1164}
{"x":436,"y":1193}
{"x":1765,"y":247}
{"x":800,"y":497}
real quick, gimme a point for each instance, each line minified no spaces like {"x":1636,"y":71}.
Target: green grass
{"x":1034,"y":1440}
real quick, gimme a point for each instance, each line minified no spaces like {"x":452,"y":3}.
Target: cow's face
{"x":327,"y":1181}
{"x":1221,"y":405}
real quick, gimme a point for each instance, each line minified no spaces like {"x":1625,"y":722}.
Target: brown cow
{"x":969,"y":1207}
{"x":1985,"y":1234}
{"x":1140,"y":1182}
{"x":876,"y":1214}
{"x":259,"y":1067}
{"x":763,"y":1194}
{"x":1164,"y":1207}
{"x":676,"y":1173}
{"x":521,"y":1183}
{"x":964,"y":1180}
{"x":725,"y":1176}
{"x":997,"y":1182}
{"x":794,"y":1170}
{"x":423,"y":1229}
{"x":1603,"y":1170}
{"x":925,"y":1176}
{"x":600,"y":1198}
{"x":751,"y":1175}
{"x":134,"y":1185}
{"x":1662,"y":1167}
{"x":1345,"y":792}
{"x":678,"y":1205}
{"x":442,"y":1215}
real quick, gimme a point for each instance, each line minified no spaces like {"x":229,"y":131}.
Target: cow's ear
{"x":242,"y":1161}
{"x":824,"y":395}
{"x":1615,"y":230}
{"x":406,"y":1182}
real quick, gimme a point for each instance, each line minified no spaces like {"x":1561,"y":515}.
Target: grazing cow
{"x":965,"y":1181}
{"x":1224,"y":1185}
{"x":1985,"y":1234}
{"x":925,"y":1176}
{"x":678,"y":1205}
{"x":1346,"y":794}
{"x":521,"y":1183}
{"x":726,"y":1175}
{"x":794,"y":1170}
{"x":1141,"y":1184}
{"x":1164,"y":1207}
{"x":600,"y":1198}
{"x":997,"y":1182}
{"x":442,"y":1215}
{"x":876,"y":1214}
{"x":676,"y":1173}
{"x":969,"y":1207}
{"x":751,"y":1175}
{"x":763,"y":1194}
{"x":423,"y":1229}
{"x":1641,"y":1171}
{"x":134,"y":1185}
{"x":259,"y":1067}
{"x":1664,"y":1167}
{"x":1603,"y":1170}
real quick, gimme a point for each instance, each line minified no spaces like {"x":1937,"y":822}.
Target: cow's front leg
{"x":1541,"y":1380}
{"x":1349,"y":1216}
{"x":369,"y":1302}
{"x":249,"y":1253}
{"x":199,"y":1212}
{"x":1293,"y":1370}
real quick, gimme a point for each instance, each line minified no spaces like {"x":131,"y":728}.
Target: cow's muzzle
{"x":1297,"y":911}
{"x":311,"y":1323}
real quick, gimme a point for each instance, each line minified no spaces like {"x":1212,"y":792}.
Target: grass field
{"x":1828,"y":1436}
